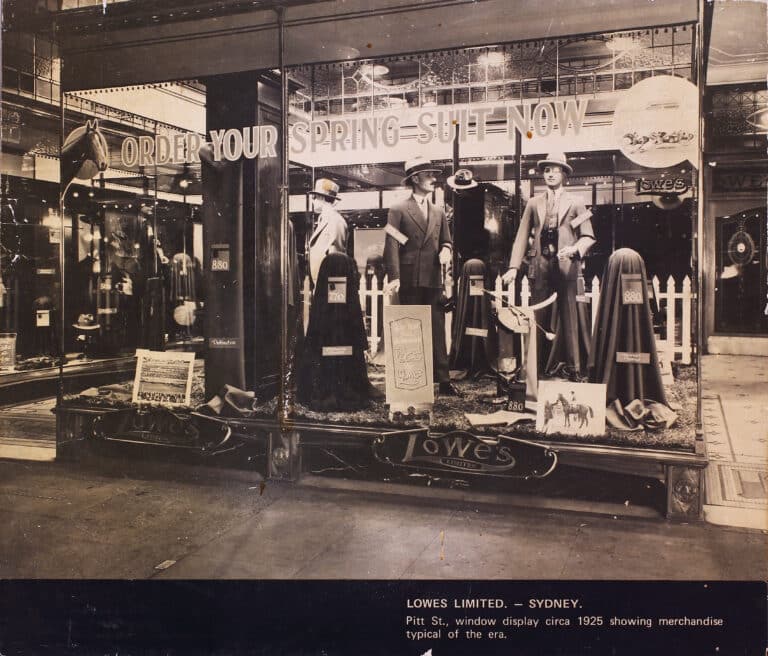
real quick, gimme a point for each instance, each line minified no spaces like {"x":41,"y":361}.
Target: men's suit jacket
{"x":330,"y":236}
{"x":574,"y":228}
{"x":415,"y":262}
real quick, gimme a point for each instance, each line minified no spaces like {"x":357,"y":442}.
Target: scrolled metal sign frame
{"x":500,"y":456}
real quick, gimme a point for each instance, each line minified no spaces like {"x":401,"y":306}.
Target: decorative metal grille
{"x":728,"y":110}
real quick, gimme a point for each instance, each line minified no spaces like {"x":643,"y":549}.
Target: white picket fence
{"x":675,"y":344}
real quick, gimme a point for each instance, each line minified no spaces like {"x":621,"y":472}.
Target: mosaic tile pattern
{"x":736,"y":433}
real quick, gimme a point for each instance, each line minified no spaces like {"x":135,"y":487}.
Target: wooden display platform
{"x":286,"y":450}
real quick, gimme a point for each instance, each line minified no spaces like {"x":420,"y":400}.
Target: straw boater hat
{"x":462,"y":179}
{"x":326,"y":188}
{"x":556,"y":159}
{"x":419,"y":164}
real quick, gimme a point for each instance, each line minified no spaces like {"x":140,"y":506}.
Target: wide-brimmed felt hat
{"x":326,"y":189}
{"x":555,"y":159}
{"x":419,"y":164}
{"x":462,"y":179}
{"x":86,"y":322}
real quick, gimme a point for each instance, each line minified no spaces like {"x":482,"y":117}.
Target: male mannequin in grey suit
{"x":555,"y":234}
{"x":418,"y":243}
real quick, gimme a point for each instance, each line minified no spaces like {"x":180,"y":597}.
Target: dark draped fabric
{"x":624,"y":328}
{"x":476,"y":355}
{"x":570,"y":324}
{"x":295,"y":307}
{"x":334,"y":382}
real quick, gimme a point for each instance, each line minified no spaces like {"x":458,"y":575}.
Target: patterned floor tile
{"x":737,"y":486}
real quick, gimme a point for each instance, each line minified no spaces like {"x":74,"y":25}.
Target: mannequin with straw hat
{"x":555,"y":234}
{"x":330,"y":233}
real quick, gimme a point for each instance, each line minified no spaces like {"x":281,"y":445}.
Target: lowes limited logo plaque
{"x":459,"y":451}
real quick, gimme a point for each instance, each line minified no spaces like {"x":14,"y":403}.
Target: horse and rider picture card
{"x":571,"y":408}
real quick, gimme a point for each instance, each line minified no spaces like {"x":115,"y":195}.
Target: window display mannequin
{"x":555,"y":234}
{"x":470,"y":349}
{"x":330,"y":234}
{"x":418,"y":243}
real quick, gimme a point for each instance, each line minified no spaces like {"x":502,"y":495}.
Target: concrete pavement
{"x":66,"y":521}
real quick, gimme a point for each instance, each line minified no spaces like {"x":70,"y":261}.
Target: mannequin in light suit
{"x":330,"y":233}
{"x":555,"y":234}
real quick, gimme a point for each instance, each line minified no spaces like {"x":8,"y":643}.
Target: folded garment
{"x":229,"y":402}
{"x":638,"y":414}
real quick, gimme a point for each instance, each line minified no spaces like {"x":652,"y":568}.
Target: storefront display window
{"x":31,"y":235}
{"x":133,"y":274}
{"x":30,"y":238}
{"x":477,"y":136}
{"x":447,"y":260}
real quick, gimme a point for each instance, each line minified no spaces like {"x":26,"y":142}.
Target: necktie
{"x":551,"y":209}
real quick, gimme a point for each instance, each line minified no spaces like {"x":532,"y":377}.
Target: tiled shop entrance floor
{"x":28,"y":430}
{"x":736,"y":435}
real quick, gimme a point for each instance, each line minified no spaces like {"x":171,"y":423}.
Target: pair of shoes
{"x":557,"y":371}
{"x":575,"y":377}
{"x":447,"y":389}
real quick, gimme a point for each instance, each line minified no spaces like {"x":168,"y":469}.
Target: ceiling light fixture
{"x":347,"y":52}
{"x":493,"y":58}
{"x":623,"y":44}
{"x":374,"y":70}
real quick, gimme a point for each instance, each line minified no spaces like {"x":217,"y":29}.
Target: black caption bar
{"x":379,"y":617}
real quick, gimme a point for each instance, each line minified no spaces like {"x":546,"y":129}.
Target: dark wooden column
{"x":262,"y":231}
{"x":241,"y":210}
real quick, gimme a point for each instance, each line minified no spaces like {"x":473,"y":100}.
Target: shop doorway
{"x":740,"y":286}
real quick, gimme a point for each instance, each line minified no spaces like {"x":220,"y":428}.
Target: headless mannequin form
{"x":332,"y":374}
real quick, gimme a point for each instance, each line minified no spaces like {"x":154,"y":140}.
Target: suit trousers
{"x":430,"y":296}
{"x":566,"y":318}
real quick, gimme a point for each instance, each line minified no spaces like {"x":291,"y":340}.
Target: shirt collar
{"x":420,"y":201}
{"x":557,"y":193}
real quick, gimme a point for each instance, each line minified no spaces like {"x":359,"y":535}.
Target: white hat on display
{"x":555,"y":159}
{"x":419,"y":164}
{"x":462,"y":179}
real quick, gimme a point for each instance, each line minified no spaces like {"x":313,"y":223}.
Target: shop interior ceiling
{"x":165,"y":23}
{"x":104,"y":48}
{"x":548,"y":68}
{"x":738,"y":48}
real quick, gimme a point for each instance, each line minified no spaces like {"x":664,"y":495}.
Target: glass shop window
{"x":356,"y":128}
{"x":134,"y":268}
{"x":30,"y":239}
